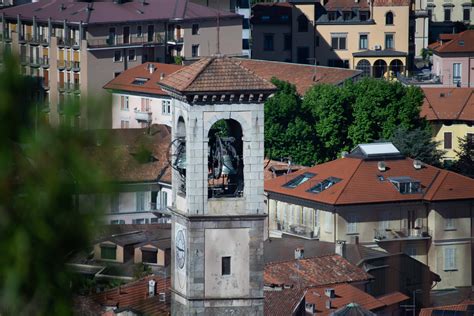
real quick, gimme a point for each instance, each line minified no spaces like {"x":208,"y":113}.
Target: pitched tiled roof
{"x":216,"y":74}
{"x":126,"y":145}
{"x":464,"y":306}
{"x":282,"y":302}
{"x":125,"y":81}
{"x":345,"y":4}
{"x":360,"y":183}
{"x":302,"y":76}
{"x":274,"y":168}
{"x":393,"y":298}
{"x":448,"y":104}
{"x":316,"y":271}
{"x":135,"y":296}
{"x":106,"y":11}
{"x":344,"y":294}
{"x":461,"y":43}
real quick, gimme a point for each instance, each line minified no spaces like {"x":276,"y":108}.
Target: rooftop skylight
{"x":140,"y":81}
{"x":302,"y":178}
{"x":325,"y":184}
{"x":406,"y":185}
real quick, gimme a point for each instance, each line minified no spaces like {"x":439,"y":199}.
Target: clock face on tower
{"x":180,"y":249}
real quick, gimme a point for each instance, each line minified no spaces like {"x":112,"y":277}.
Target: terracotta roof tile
{"x":282,"y":302}
{"x":302,"y":76}
{"x":461,"y":43}
{"x":464,"y":306}
{"x":134,"y":295}
{"x":316,"y":271}
{"x":344,"y":294}
{"x":448,"y":104}
{"x":393,"y":298}
{"x":274,"y":168}
{"x":124,"y":82}
{"x":215,"y":74}
{"x":360,"y":183}
{"x":391,"y":3}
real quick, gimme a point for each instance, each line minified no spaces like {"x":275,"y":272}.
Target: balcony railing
{"x":45,"y":62}
{"x":298,"y":230}
{"x":35,"y":61}
{"x":176,"y":41}
{"x":132,"y":40}
{"x":61,"y":64}
{"x":141,"y":116}
{"x":402,"y":234}
{"x":76,"y":65}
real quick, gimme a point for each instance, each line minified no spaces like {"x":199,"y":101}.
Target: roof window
{"x":140,"y":81}
{"x":325,"y":184}
{"x":406,"y":185}
{"x":302,"y":178}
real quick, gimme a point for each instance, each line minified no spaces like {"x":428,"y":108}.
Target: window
{"x":245,"y":43}
{"x":114,"y":203}
{"x":303,"y":23}
{"x":302,"y":178}
{"x":332,"y":16}
{"x":112,"y":35}
{"x":195,"y":50}
{"x":225,"y":265}
{"x":124,"y":124}
{"x":447,"y":14}
{"x":328,"y":224}
{"x":150,"y":33}
{"x":457,"y":74}
{"x":145,"y":105}
{"x":338,"y":41}
{"x":339,"y":63}
{"x":245,"y":24}
{"x":140,"y":81}
{"x":389,"y":18}
{"x":448,"y":140}
{"x":449,"y":223}
{"x":325,"y":184}
{"x":140,"y":196}
{"x":149,"y":255}
{"x":389,"y":41}
{"x":164,"y":200}
{"x":466,"y":14}
{"x":117,"y":73}
{"x":352,"y":224}
{"x":363,"y":41}
{"x":124,"y":103}
{"x":268,"y":42}
{"x":347,"y":15}
{"x":363,"y":15}
{"x":132,"y":55}
{"x":139,"y":221}
{"x":287,"y":41}
{"x":450,"y":258}
{"x":117,"y":56}
{"x":139,"y":31}
{"x":166,"y":107}
{"x":195,"y":29}
{"x":108,"y":252}
{"x":302,"y":55}
{"x":406,"y":185}
{"x":117,"y":222}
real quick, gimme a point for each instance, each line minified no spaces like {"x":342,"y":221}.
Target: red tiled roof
{"x":391,"y":3}
{"x":106,"y":11}
{"x":448,"y":104}
{"x":344,"y":294}
{"x":215,"y":74}
{"x":274,"y":168}
{"x":360,"y":183}
{"x":316,"y":271}
{"x":393,"y":298}
{"x":457,"y":307}
{"x":282,"y":302}
{"x":346,"y":4}
{"x":461,"y":43}
{"x":124,"y":81}
{"x":302,"y":76}
{"x":134,"y":295}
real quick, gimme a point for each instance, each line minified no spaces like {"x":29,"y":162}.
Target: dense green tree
{"x":41,"y":172}
{"x":465,"y":162}
{"x":418,"y":144}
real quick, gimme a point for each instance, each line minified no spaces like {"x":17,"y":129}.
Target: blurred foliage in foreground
{"x":41,"y":171}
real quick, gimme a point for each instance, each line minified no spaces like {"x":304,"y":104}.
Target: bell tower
{"x":218,"y":212}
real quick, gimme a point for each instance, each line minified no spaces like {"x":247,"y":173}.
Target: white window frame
{"x":449,"y":256}
{"x":134,"y":55}
{"x":328,"y":222}
{"x":121,"y":56}
{"x":449,"y":223}
{"x":367,"y":41}
{"x":457,"y":73}
{"x":166,"y":107}
{"x":351,"y":227}
{"x":140,"y":201}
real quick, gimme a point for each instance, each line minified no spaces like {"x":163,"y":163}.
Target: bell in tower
{"x":218,"y":197}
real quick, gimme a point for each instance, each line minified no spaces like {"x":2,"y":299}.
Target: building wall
{"x":135,"y":102}
{"x":160,"y":255}
{"x":303,"y":39}
{"x":279,"y":53}
{"x":459,"y":130}
{"x":119,"y":252}
{"x":443,"y":67}
{"x":456,"y":10}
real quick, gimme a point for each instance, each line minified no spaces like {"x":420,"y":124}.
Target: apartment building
{"x":381,"y":199}
{"x":76,"y":47}
{"x":372,"y":36}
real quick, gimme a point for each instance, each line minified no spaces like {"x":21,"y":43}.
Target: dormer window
{"x":332,"y":16}
{"x":363,"y":15}
{"x":347,"y":15}
{"x":139,"y":81}
{"x":406,"y":185}
{"x":324,"y":185}
{"x":302,"y":178}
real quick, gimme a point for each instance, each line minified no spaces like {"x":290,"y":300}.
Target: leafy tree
{"x":465,"y":162}
{"x":41,"y":172}
{"x":418,"y":144}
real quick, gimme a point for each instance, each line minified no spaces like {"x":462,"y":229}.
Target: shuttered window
{"x":448,"y":140}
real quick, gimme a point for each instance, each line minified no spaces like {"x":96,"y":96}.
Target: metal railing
{"x":299,"y":230}
{"x":132,"y":40}
{"x":143,"y":116}
{"x":403,"y":233}
{"x":35,"y":61}
{"x":45,"y":61}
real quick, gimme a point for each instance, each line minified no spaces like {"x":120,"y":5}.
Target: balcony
{"x":76,"y":66}
{"x":175,"y":41}
{"x":61,"y":86}
{"x":21,"y":38}
{"x":420,"y":78}
{"x":298,"y":230}
{"x":419,"y":233}
{"x":43,"y":39}
{"x":35,"y":62}
{"x":132,"y":41}
{"x":45,"y":62}
{"x":61,"y":42}
{"x":142,"y":116}
{"x":32,"y":40}
{"x":68,"y":65}
{"x":61,"y":64}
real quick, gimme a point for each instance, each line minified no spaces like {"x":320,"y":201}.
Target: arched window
{"x":302,"y":23}
{"x":389,"y":18}
{"x":364,"y":66}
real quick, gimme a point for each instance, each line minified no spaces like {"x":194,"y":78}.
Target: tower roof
{"x":219,"y":75}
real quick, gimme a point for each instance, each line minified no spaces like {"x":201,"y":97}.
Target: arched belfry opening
{"x":225,"y":160}
{"x":177,"y":160}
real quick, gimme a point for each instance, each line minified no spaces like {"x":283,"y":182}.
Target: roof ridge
{"x":431,"y":107}
{"x":348,"y":180}
{"x":465,"y":104}
{"x":445,"y":174}
{"x":206,"y":62}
